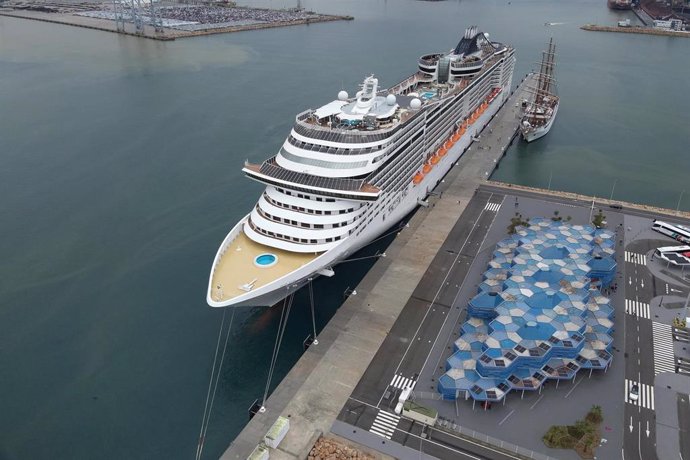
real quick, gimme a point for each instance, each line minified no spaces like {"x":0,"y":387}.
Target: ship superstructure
{"x":354,"y":167}
{"x":540,"y":112}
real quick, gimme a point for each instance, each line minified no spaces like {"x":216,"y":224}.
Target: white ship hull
{"x":351,"y":169}
{"x":407,"y":200}
{"x":530,"y":135}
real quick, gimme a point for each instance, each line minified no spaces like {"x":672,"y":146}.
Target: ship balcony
{"x":428,"y":63}
{"x":310,"y":218}
{"x":466,"y":68}
{"x":297,"y":234}
{"x":294,"y":244}
{"x":350,"y":189}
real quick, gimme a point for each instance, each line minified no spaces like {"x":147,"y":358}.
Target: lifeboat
{"x":427,"y":168}
{"x":435,"y":159}
{"x":456,"y":136}
{"x":418,"y":178}
{"x":442,"y":152}
{"x":462,"y":130}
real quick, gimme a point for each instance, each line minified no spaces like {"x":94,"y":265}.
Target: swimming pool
{"x":265,"y":260}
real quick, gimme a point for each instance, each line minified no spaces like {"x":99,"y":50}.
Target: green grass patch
{"x":583,"y":436}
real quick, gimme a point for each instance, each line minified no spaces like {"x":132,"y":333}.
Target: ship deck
{"x":237,"y":267}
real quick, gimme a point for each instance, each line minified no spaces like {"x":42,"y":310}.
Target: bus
{"x":675,"y":231}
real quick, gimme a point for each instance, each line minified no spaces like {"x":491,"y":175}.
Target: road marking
{"x":402,"y":382}
{"x":384,"y":424}
{"x":637,"y":308}
{"x":663,"y":348}
{"x":506,"y":417}
{"x":532,"y":406}
{"x":646,"y":394}
{"x":492,"y":207}
{"x":634,"y":258}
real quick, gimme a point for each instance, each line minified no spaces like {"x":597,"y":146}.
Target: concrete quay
{"x":319,"y":385}
{"x":635,"y":30}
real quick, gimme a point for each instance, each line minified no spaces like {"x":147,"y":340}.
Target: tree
{"x":599,"y":219}
{"x":516,"y":222}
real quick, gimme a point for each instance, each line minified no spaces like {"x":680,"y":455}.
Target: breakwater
{"x":635,"y":30}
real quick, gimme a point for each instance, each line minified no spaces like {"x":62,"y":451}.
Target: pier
{"x":635,"y":30}
{"x":319,"y":385}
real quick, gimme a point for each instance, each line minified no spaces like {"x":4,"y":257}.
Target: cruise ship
{"x":354,"y":167}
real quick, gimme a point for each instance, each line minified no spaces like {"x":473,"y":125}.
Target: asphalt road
{"x":640,"y":286}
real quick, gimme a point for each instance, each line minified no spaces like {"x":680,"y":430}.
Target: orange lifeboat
{"x":462,"y":130}
{"x":418,"y":178}
{"x":456,"y":136}
{"x":442,"y":152}
{"x":435,"y":159}
{"x":427,"y":168}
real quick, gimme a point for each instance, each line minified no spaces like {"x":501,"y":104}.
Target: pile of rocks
{"x":329,"y":449}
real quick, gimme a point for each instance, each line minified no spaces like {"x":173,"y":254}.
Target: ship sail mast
{"x":545,"y":77}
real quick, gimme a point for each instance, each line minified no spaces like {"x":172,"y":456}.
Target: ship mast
{"x":545,"y":73}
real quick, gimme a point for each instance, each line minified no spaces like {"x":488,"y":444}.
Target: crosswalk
{"x":634,"y":258}
{"x":646,"y":394}
{"x":384,"y":424}
{"x":637,"y":308}
{"x":663,"y":348}
{"x":492,"y":207}
{"x":402,"y":382}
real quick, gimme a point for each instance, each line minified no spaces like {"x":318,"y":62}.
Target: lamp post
{"x":550,"y":177}
{"x":679,"y":198}
{"x":613,"y":188}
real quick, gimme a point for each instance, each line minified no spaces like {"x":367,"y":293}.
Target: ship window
{"x":329,"y":240}
{"x":318,"y":198}
{"x":303,"y":240}
{"x":312,"y":241}
{"x":318,"y":225}
{"x":336,"y":225}
{"x":319,"y":212}
{"x":305,"y":225}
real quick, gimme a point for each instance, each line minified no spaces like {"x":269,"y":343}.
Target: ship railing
{"x":324,"y":133}
{"x":465,"y":65}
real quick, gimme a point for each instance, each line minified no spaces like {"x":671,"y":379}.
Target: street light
{"x":679,"y":198}
{"x":613,"y":188}
{"x":550,"y":177}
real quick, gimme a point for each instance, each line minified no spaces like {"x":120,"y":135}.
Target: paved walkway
{"x":317,"y":387}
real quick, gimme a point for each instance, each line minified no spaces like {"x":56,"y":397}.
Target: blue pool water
{"x":265,"y":260}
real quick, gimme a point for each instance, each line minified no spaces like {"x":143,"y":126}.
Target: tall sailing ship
{"x":540,"y":112}
{"x":353,"y":168}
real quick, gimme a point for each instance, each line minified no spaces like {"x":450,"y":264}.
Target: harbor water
{"x":120,"y":173}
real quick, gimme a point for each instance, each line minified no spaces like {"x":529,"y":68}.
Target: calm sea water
{"x":120,"y":174}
